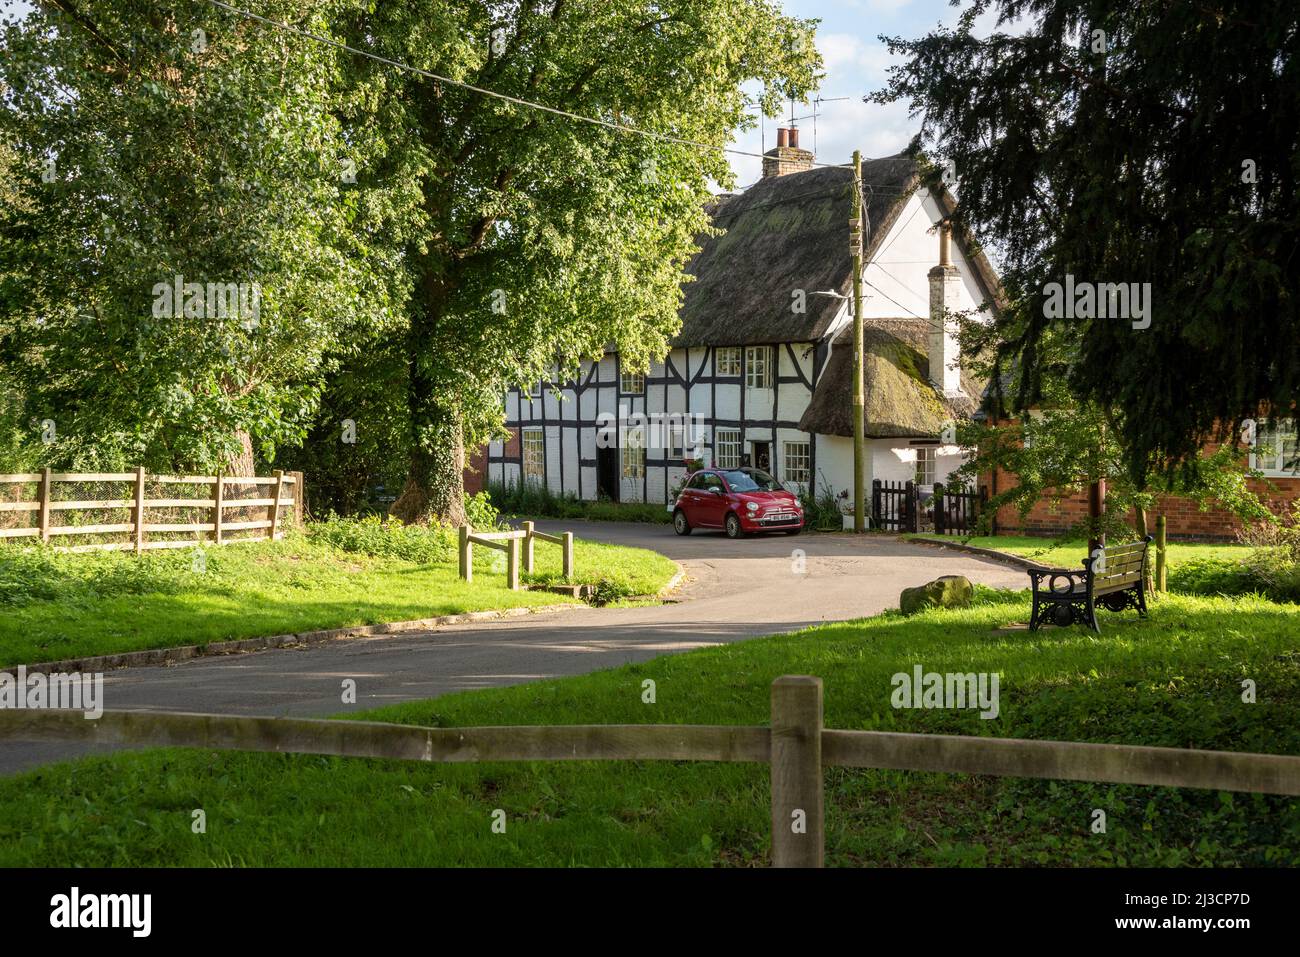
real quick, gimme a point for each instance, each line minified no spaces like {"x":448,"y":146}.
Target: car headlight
{"x":751,"y":506}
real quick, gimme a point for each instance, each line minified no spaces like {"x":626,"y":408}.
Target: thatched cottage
{"x":762,"y":370}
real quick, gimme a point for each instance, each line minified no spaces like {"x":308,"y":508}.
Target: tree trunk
{"x":241,"y":463}
{"x":435,"y":483}
{"x":435,"y":486}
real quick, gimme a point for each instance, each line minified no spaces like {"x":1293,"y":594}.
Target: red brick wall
{"x":476,"y":470}
{"x":1183,"y":517}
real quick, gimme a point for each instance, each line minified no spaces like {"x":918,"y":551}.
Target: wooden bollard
{"x":797,"y":799}
{"x":568,"y":556}
{"x":512,"y":565}
{"x":528,"y":547}
{"x":466,"y":555}
{"x":1161,"y":555}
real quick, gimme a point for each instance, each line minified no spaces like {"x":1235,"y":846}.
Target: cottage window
{"x":631,"y":383}
{"x":726,"y":448}
{"x":535,"y":390}
{"x":796,"y":463}
{"x":758,"y":367}
{"x":925,"y":462}
{"x":1276,"y":451}
{"x":633,"y":453}
{"x":728,"y":361}
{"x":534,"y":452}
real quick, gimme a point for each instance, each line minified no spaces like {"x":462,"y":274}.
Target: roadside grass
{"x":55,"y":606}
{"x":1049,"y":551}
{"x":1174,"y":680}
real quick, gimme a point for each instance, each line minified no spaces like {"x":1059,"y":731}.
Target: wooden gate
{"x":956,"y":509}
{"x":894,"y":506}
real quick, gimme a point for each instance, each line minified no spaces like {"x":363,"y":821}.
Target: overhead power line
{"x":594,"y":121}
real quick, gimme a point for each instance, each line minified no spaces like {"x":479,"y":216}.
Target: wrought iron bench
{"x":1112,"y":577}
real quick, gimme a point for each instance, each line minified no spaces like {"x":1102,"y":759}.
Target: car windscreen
{"x":754,"y":481}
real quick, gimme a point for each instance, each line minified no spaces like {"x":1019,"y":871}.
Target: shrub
{"x":823,"y":511}
{"x":538,"y":501}
{"x":386,"y":537}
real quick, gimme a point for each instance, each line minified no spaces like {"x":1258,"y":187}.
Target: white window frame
{"x":1269,"y":456}
{"x":727,"y":446}
{"x":632,"y":454}
{"x":927,"y":462}
{"x":727,"y":361}
{"x":791,"y":454}
{"x":631,"y":383}
{"x":537,"y":455}
{"x":758,"y":367}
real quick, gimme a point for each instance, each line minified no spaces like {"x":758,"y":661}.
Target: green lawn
{"x":56,"y":606}
{"x":1069,"y":555}
{"x":1172,"y":681}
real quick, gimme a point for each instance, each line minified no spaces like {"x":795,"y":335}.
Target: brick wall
{"x":476,"y":467}
{"x":1183,"y":517}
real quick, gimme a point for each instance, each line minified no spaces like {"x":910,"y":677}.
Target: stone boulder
{"x":950,"y":591}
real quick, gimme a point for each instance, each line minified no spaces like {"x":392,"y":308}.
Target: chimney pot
{"x":782,"y":137}
{"x":794,"y":137}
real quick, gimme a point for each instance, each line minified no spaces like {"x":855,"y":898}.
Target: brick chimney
{"x":945,"y":298}
{"x":787,"y":157}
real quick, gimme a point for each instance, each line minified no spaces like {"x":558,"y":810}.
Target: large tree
{"x":155,"y":141}
{"x":533,"y":240}
{"x":1131,"y":141}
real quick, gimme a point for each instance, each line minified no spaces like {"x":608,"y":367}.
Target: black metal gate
{"x":956,"y":510}
{"x":894,"y":506}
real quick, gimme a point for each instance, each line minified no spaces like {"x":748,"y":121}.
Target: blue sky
{"x":856,"y":63}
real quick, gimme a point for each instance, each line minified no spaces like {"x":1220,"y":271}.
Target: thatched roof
{"x":785,"y":233}
{"x":900,"y":401}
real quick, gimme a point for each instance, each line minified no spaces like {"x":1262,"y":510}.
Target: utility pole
{"x":859,"y":398}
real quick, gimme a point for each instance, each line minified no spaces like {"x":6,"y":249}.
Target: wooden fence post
{"x":299,"y":497}
{"x":45,"y":505}
{"x":568,"y":555}
{"x":1161,"y":568}
{"x":875,"y":503}
{"x":797,"y":798}
{"x":274,"y":515}
{"x":528,"y":547}
{"x":512,"y":564}
{"x":938,"y":508}
{"x":466,"y":555}
{"x":219,"y":499}
{"x":911,"y":507}
{"x":138,"y":511}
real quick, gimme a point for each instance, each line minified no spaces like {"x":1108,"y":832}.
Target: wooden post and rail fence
{"x":283,"y":498}
{"x":796,"y":746}
{"x":512,"y":543}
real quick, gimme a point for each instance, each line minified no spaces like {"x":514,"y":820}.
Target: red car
{"x":738,"y":501}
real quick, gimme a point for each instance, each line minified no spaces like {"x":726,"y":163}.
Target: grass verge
{"x":1049,"y":551}
{"x":58,"y":606}
{"x":1172,"y":681}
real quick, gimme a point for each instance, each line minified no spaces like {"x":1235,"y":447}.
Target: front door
{"x":762,"y":455}
{"x":607,"y":474}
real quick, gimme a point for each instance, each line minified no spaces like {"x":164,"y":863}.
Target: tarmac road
{"x":733,"y":590}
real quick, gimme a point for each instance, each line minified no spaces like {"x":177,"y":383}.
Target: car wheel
{"x":680,"y":525}
{"x":733,"y":526}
